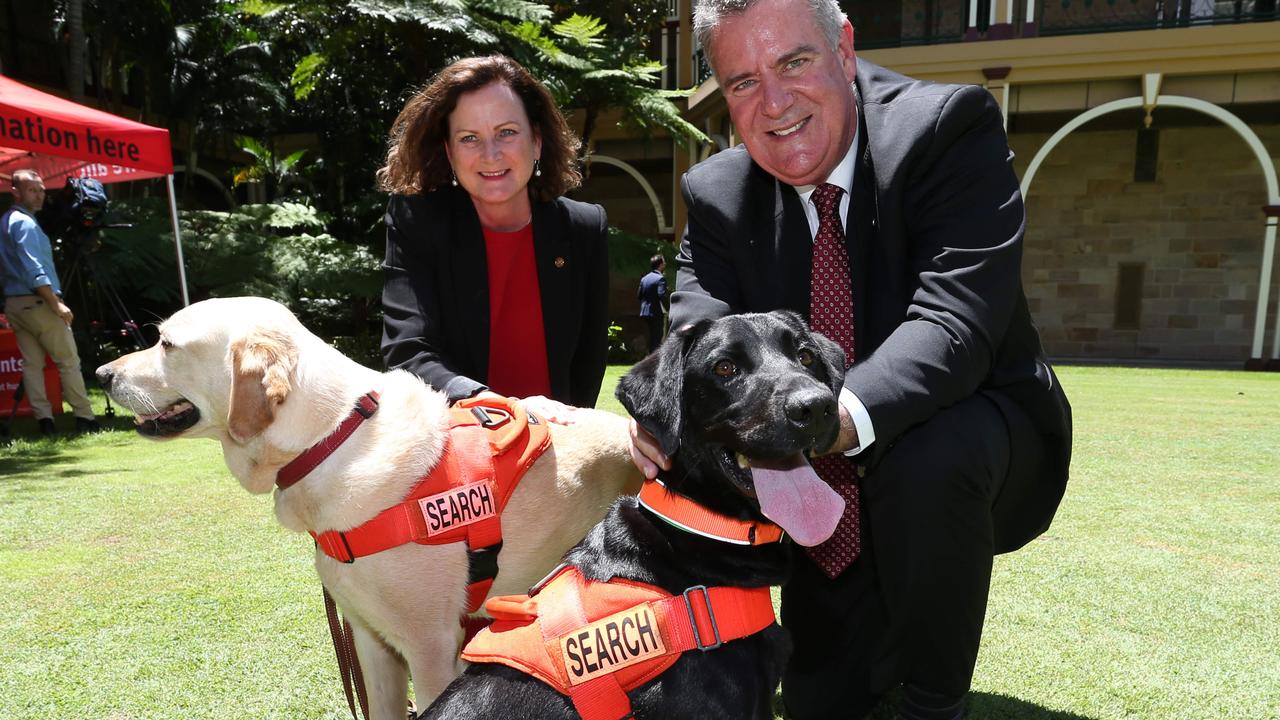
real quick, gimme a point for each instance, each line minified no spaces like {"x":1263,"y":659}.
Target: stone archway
{"x":213,"y":180}
{"x":1149,"y":101}
{"x":663,"y":228}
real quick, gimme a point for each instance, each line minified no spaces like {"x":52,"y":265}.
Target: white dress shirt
{"x":842,"y":177}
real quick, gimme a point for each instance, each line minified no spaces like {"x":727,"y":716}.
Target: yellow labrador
{"x":246,"y":373}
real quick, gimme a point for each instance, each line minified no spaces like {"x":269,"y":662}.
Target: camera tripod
{"x":86,"y":244}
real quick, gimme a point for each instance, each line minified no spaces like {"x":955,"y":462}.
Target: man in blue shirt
{"x":653,"y":290}
{"x":33,"y":304}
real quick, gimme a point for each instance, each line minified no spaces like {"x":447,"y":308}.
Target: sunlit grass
{"x":137,"y":580}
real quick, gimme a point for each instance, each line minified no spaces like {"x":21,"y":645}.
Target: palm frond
{"x":582,"y":29}
{"x":517,"y":10}
{"x":261,"y":8}
{"x":307,"y":74}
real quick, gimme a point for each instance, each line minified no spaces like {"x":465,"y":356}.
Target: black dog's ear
{"x":653,"y":389}
{"x":832,"y":357}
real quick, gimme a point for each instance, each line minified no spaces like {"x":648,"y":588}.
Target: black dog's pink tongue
{"x":794,"y":497}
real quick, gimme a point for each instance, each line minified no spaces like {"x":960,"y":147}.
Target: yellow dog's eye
{"x":805,"y":356}
{"x":164,"y":343}
{"x":725,"y":368}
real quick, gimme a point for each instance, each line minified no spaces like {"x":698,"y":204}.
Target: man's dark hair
{"x":656,"y":262}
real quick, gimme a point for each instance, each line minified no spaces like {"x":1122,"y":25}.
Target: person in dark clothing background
{"x":652,"y":293}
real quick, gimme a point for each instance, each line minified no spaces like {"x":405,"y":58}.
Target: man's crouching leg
{"x":909,"y":611}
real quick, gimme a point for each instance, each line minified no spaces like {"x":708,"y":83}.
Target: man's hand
{"x":646,"y":454}
{"x":59,"y":308}
{"x":847,"y":439}
{"x":64,"y":312}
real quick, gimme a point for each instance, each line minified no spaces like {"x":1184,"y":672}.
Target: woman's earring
{"x":453,"y":178}
{"x":537,"y":167}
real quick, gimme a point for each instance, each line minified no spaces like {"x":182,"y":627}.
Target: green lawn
{"x":138,"y":581}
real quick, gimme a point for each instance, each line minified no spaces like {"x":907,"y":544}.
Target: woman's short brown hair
{"x":416,"y":159}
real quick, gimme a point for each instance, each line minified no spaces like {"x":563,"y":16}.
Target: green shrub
{"x":278,"y":250}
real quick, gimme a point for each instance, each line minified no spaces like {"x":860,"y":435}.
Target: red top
{"x":517,"y":343}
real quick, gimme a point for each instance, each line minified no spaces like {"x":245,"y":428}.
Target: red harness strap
{"x":595,"y":642}
{"x":491,"y":443}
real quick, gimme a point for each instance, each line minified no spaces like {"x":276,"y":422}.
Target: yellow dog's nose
{"x":105,"y":375}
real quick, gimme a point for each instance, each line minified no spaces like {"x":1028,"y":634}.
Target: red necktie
{"x":831,"y":313}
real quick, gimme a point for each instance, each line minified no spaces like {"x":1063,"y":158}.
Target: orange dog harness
{"x":596,"y":641}
{"x":491,"y":443}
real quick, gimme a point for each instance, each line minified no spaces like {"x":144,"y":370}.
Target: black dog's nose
{"x":105,"y":375}
{"x":811,"y":409}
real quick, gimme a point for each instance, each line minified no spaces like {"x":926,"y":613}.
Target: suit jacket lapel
{"x":793,"y":252}
{"x":551,"y":249}
{"x":860,"y":233}
{"x":471,"y":276}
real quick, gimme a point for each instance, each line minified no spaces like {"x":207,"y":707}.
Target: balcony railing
{"x":905,"y":23}
{"x":1066,"y":17}
{"x":927,"y":22}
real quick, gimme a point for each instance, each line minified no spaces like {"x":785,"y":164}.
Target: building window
{"x":1144,"y":163}
{"x":1129,"y":295}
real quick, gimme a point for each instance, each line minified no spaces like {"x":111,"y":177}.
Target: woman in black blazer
{"x":480,"y":243}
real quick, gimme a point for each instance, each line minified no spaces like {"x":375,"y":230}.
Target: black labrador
{"x":738,"y":404}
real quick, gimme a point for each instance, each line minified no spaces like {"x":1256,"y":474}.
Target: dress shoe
{"x":87,"y":425}
{"x":47,"y":428}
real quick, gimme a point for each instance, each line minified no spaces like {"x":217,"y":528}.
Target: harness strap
{"x":302,"y":465}
{"x":482,"y":568}
{"x":466,"y":460}
{"x":603,"y":697}
{"x":695,"y":518}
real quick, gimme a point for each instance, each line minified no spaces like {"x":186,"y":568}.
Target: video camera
{"x":77,"y":211}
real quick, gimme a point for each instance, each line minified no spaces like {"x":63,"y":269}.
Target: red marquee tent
{"x":60,"y":139}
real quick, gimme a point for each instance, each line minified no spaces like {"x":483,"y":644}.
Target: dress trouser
{"x":655,"y":324}
{"x":39,"y":330}
{"x":911,"y":607}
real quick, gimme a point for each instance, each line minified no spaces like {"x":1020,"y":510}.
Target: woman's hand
{"x":646,"y":453}
{"x":550,"y":410}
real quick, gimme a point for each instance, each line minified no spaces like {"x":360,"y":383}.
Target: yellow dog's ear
{"x":261,"y":363}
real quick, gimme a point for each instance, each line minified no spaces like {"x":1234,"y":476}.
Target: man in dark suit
{"x":652,"y":292}
{"x":885,"y":210}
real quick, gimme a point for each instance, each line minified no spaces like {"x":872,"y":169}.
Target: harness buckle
{"x":351,"y":557}
{"x":490,"y":417}
{"x":327,"y":544}
{"x":693,"y":620}
{"x":482,"y":563}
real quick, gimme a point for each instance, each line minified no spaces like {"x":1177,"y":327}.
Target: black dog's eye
{"x":725,"y":368}
{"x":805,"y":356}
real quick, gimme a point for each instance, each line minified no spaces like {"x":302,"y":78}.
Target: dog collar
{"x":692,"y":517}
{"x":300,"y":466}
